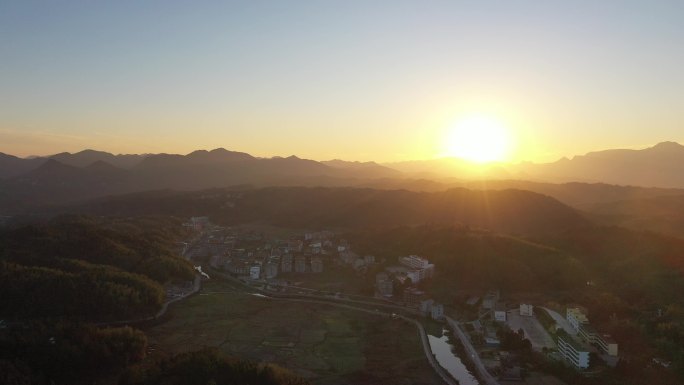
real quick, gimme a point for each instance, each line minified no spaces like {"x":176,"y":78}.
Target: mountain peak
{"x":219,"y":154}
{"x":668,"y":145}
{"x":89,"y":151}
{"x":219,"y":150}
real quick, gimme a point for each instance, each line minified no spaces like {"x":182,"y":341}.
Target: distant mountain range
{"x":659,"y":166}
{"x":87,"y":174}
{"x":67,"y":177}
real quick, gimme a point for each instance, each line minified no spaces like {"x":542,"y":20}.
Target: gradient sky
{"x":362,"y":80}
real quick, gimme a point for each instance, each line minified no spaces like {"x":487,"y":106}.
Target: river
{"x":448,"y":360}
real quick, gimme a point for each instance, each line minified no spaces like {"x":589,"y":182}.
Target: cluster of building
{"x":491,"y":303}
{"x":271,"y":259}
{"x":576,"y":349}
{"x":410,"y":271}
{"x":419,"y":300}
{"x":346,"y":257}
{"x":418,"y":268}
{"x":251,"y":255}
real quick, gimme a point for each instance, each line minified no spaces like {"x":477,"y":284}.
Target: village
{"x":294,"y":264}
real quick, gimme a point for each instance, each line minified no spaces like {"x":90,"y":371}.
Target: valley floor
{"x":325,"y":344}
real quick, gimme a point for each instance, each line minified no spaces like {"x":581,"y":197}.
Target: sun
{"x":479,"y":139}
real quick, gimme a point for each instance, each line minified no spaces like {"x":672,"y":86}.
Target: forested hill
{"x":88,"y":268}
{"x":510,"y":211}
{"x":57,"y":277}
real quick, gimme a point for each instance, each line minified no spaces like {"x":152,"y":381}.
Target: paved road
{"x":534,"y":331}
{"x":475,"y":358}
{"x":561,"y":321}
{"x":195,"y":288}
{"x":165,"y":307}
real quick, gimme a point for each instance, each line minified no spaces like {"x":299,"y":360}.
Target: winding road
{"x":475,"y":358}
{"x":197,"y":284}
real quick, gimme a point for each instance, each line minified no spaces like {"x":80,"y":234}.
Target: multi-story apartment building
{"x":572,"y":351}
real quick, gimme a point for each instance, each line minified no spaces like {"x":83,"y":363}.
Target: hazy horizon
{"x":386,"y":81}
{"x":334,"y":158}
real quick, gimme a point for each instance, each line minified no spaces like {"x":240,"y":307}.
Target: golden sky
{"x":357,"y":80}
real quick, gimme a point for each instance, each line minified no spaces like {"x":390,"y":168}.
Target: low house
{"x":526,"y":310}
{"x":413,"y":297}
{"x":576,"y":317}
{"x":254,"y":271}
{"x":500,"y":313}
{"x":272,"y":269}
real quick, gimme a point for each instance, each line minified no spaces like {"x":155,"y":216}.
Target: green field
{"x":328,"y":345}
{"x":334,"y":279}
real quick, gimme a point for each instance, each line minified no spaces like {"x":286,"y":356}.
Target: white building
{"x":254,"y":271}
{"x":576,"y":318}
{"x":526,"y":310}
{"x":414,"y":262}
{"x":572,"y":351}
{"x":607,"y":344}
{"x":500,"y":313}
{"x":418,"y":275}
{"x":414,"y":275}
{"x":272,"y":269}
{"x":603,"y":341}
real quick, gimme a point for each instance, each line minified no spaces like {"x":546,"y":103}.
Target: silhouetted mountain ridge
{"x":511,"y":211}
{"x":88,"y":174}
{"x":661,"y":165}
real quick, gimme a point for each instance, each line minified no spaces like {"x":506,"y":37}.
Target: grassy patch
{"x":327,"y":344}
